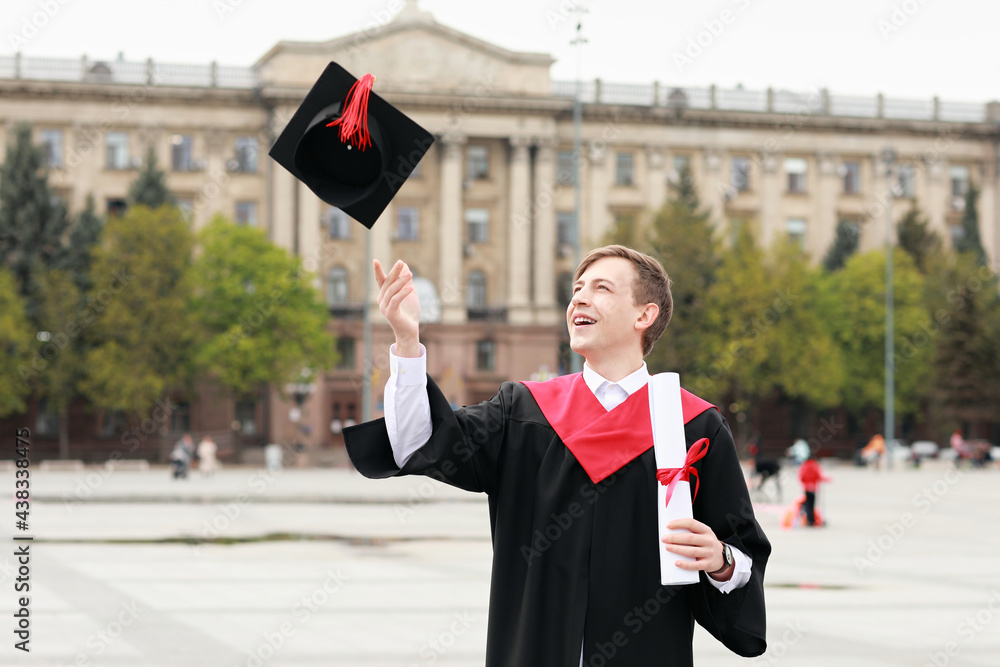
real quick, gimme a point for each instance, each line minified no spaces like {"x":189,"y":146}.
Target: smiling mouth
{"x":580,"y":322}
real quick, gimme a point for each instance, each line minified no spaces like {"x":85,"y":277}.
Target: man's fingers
{"x":398,"y":297}
{"x":379,"y":273}
{"x":684,"y":538}
{"x":390,"y":279}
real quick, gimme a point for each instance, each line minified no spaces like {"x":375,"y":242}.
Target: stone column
{"x":218,"y":176}
{"x":598,"y":218}
{"x":519,"y":232}
{"x":281,"y":223}
{"x":656,"y":169}
{"x":310,"y":211}
{"x":876,"y":212}
{"x":546,"y":309}
{"x":934,"y":195}
{"x":822,"y":221}
{"x":771,"y":188}
{"x":451,"y":281}
{"x":708,"y":187}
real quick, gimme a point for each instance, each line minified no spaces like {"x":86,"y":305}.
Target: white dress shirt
{"x":408,"y":421}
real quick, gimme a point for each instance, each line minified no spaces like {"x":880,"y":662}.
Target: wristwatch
{"x":727,"y":559}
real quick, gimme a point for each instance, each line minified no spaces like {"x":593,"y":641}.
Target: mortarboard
{"x":349,"y":146}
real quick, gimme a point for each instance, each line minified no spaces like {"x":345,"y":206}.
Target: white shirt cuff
{"x":741,"y":575}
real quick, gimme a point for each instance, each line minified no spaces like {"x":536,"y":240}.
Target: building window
{"x":957,"y":233}
{"x":116,"y":150}
{"x":246,"y":155}
{"x":407,"y":223}
{"x":566,"y":168}
{"x":796,"y":228}
{"x":180,"y":153}
{"x":681,"y":162}
{"x":740,"y":176}
{"x":624,"y":169}
{"x":486,"y":355}
{"x":565,"y":227}
{"x":116,"y":207}
{"x":564,"y":288}
{"x":477,"y":223}
{"x":475,"y":294}
{"x":564,"y":356}
{"x":795,"y":168}
{"x":852,"y":178}
{"x":186,"y":205}
{"x":345,"y":354}
{"x":337,"y":223}
{"x":46,"y":421}
{"x":477,"y":163}
{"x":959,"y":186}
{"x":112,"y":423}
{"x":52,"y":147}
{"x":907,"y":185}
{"x":336,"y":286}
{"x":246,"y":213}
{"x":180,"y":417}
{"x":246,"y":415}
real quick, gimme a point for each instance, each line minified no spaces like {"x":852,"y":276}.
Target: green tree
{"x":855,"y":306}
{"x":763,"y":329}
{"x":683,"y":239}
{"x":806,"y":362}
{"x":966,"y":359}
{"x":734,"y":336}
{"x":845,"y":244}
{"x":59,"y":362}
{"x":262,"y":320}
{"x":625,"y":230}
{"x":918,"y":239}
{"x":33,"y":224}
{"x":83,"y":236}
{"x":16,"y":338}
{"x":150,"y":186}
{"x":970,"y":241}
{"x":140,"y":303}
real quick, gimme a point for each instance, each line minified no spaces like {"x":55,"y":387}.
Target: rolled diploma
{"x":670,"y":448}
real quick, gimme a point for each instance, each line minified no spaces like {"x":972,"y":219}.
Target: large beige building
{"x":487,"y":222}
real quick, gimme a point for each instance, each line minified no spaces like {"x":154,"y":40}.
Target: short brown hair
{"x":651,"y":285}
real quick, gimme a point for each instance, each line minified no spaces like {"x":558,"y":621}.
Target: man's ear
{"x":648,"y":315}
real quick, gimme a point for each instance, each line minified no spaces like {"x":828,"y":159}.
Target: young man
{"x":570,"y":472}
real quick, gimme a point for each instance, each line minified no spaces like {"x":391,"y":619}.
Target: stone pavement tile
{"x":824,"y":608}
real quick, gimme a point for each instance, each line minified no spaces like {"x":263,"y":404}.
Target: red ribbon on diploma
{"x":669,"y":477}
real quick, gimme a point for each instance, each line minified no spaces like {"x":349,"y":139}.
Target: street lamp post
{"x":366,"y":376}
{"x":889,"y":159}
{"x":575,"y":360}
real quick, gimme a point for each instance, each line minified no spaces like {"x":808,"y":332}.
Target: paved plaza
{"x":322,"y":567}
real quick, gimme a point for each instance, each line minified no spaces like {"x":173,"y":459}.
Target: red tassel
{"x":353,"y":121}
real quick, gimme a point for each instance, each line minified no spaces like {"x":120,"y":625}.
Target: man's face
{"x":603,"y":295}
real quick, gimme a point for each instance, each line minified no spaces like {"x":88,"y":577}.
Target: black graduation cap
{"x":349,"y":146}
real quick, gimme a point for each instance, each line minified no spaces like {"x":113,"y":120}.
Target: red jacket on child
{"x":810,"y":474}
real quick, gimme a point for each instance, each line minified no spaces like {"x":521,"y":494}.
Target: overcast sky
{"x":904,"y":48}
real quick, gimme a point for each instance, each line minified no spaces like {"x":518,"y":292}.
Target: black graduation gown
{"x":577,"y":562}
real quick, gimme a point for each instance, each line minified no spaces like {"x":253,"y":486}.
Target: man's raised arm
{"x":407,"y":409}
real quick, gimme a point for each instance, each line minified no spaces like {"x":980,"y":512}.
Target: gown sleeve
{"x":464,"y":448}
{"x":736,"y":618}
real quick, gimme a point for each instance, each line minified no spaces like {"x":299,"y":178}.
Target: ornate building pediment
{"x":412,"y":52}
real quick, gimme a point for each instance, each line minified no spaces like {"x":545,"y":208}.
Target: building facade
{"x":487,"y":221}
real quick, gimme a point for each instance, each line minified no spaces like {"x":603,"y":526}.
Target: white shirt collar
{"x":630,"y":383}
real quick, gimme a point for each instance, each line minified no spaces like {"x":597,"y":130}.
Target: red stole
{"x":602,"y":441}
